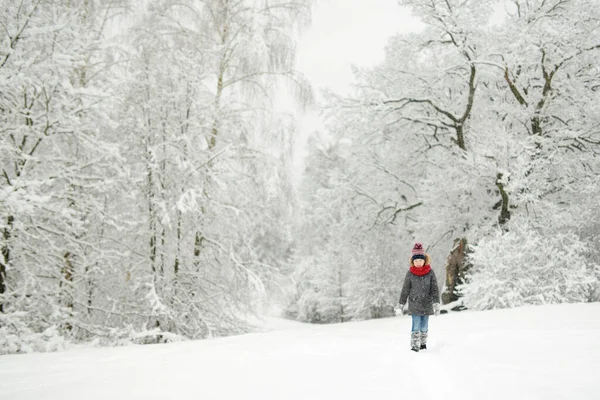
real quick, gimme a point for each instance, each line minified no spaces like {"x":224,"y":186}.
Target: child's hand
{"x":436,"y":308}
{"x":399,"y":310}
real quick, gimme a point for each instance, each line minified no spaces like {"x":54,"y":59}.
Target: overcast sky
{"x":343,"y":33}
{"x":346,"y":32}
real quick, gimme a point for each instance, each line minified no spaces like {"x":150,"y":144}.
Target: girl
{"x":421,"y":289}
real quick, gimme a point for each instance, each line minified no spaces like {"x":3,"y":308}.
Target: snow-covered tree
{"x":146,"y":175}
{"x":58,"y":164}
{"x":206,"y":137}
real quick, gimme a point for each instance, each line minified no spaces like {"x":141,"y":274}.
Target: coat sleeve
{"x":405,"y":290}
{"x":434,"y":290}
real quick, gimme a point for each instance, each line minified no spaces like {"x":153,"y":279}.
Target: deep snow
{"x":546,"y":352}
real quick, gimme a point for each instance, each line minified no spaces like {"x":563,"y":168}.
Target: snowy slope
{"x":549,"y":352}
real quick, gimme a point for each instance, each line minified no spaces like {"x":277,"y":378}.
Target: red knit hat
{"x":418,"y":252}
{"x":418,"y":249}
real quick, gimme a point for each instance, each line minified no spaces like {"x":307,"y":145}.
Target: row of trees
{"x":145,"y":176}
{"x":480,"y":139}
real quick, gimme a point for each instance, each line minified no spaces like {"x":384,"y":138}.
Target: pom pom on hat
{"x":418,"y":249}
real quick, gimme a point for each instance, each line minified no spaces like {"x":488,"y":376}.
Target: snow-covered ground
{"x":549,"y":352}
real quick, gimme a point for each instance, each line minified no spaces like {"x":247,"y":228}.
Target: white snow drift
{"x":545,"y":352}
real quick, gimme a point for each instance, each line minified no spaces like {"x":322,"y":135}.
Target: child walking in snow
{"x":421,"y":290}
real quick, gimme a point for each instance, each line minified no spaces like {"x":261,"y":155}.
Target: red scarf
{"x":420,"y":271}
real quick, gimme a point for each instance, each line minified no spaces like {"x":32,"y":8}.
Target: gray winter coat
{"x":421,"y":291}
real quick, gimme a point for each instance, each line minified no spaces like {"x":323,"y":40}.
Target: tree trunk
{"x":217,"y":104}
{"x":460,"y":123}
{"x":503,"y":204}
{"x":198,"y":244}
{"x":456,"y":265}
{"x":67,"y":292}
{"x":456,"y":268}
{"x":2,"y":283}
{"x":90,"y":293}
{"x":341,"y":293}
{"x":178,"y":255}
{"x":5,"y":259}
{"x":460,"y":136}
{"x":176,"y":262}
{"x":163,"y":191}
{"x":151,"y":219}
{"x":224,"y":36}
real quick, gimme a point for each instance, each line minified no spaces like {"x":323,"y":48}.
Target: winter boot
{"x":414,"y":341}
{"x":423,"y":340}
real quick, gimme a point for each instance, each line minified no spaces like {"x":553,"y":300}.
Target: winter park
{"x":300,"y":199}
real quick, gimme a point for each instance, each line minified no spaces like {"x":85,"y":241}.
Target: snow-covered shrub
{"x":527,"y":266}
{"x":16,"y":336}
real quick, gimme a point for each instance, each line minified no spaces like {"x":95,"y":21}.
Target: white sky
{"x":346,"y":32}
{"x":343,"y":33}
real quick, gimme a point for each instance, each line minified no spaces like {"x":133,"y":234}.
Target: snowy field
{"x":550,"y":352}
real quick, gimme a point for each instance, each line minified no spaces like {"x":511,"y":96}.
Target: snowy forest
{"x":148,"y":191}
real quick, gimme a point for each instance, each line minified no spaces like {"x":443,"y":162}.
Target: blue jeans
{"x":420,"y":323}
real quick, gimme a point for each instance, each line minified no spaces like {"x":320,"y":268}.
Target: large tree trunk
{"x":456,"y":268}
